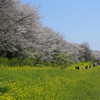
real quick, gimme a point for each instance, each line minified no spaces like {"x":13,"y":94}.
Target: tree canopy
{"x":22,"y":34}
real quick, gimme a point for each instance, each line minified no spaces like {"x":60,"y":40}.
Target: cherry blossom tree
{"x":18,"y":27}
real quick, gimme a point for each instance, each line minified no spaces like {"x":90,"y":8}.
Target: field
{"x":38,"y":83}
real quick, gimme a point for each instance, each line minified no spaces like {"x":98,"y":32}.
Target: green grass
{"x":32,"y":83}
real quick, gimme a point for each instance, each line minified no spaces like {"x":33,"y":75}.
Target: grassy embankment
{"x":36,"y":83}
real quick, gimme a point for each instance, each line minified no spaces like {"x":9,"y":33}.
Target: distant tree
{"x":87,"y":53}
{"x":96,"y":54}
{"x":74,"y":49}
{"x":61,"y":58}
{"x":48,"y":40}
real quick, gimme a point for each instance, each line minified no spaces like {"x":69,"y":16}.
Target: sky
{"x":77,"y":20}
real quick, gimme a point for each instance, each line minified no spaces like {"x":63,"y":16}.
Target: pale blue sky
{"x":78,"y":20}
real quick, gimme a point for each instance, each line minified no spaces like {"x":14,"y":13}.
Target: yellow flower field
{"x":36,"y":83}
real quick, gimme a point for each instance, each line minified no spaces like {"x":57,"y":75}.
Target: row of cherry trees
{"x":22,"y":34}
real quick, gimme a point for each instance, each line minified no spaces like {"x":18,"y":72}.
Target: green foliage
{"x":58,"y":59}
{"x":37,"y":59}
{"x":61,"y":58}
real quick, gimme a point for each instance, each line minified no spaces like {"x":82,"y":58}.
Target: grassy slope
{"x":49,"y":84}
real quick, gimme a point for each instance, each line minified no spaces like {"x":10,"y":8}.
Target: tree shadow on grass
{"x":3,"y":89}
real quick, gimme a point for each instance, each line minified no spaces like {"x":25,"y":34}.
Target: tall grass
{"x":36,"y":83}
